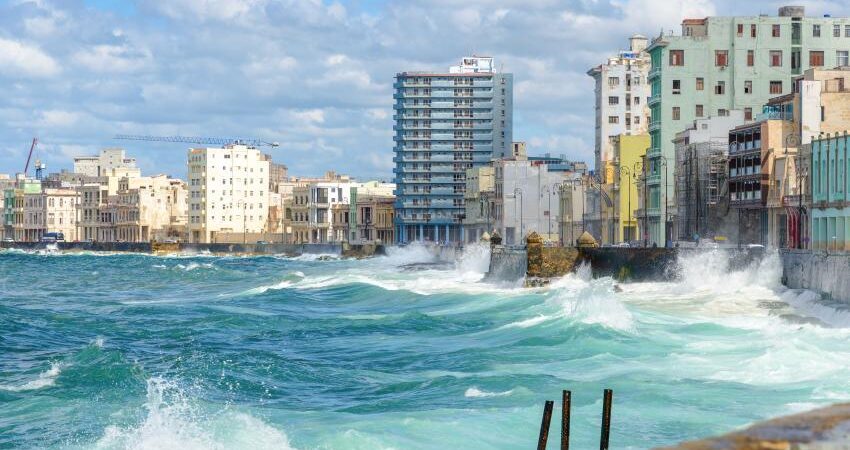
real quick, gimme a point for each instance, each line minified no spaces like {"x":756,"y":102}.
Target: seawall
{"x":819,"y":271}
{"x":347,"y":250}
{"x":538,"y":264}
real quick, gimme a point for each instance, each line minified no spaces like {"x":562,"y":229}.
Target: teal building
{"x":830,"y":199}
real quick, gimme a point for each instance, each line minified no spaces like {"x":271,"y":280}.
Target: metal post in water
{"x":565,"y":419}
{"x":606,"y":419}
{"x":544,"y":425}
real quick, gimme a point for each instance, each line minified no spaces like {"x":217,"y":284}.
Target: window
{"x":836,"y":31}
{"x":846,"y":30}
{"x":613,"y":119}
{"x":748,"y":86}
{"x":816,"y":58}
{"x":637,"y":120}
{"x":748,"y":113}
{"x":720,"y":88}
{"x":740,"y":29}
{"x":677,"y":86}
{"x":677,"y":57}
{"x":841,"y":58}
{"x":815,"y":30}
{"x":722,"y":112}
{"x":751,"y":58}
{"x":613,"y":81}
{"x":699,"y":111}
{"x":677,"y":113}
{"x":721,"y":58}
{"x":700,"y":83}
{"x":775,"y":87}
{"x":776,"y":31}
{"x":614,"y":100}
{"x":637,"y":101}
{"x":753,"y":30}
{"x":776,"y":58}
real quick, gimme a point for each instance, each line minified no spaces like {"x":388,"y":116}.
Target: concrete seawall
{"x":826,"y":273}
{"x":348,"y":250}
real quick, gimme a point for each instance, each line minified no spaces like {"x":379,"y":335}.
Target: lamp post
{"x":642,"y":164}
{"x":518,"y":192}
{"x":620,"y":172}
{"x":663,"y":163}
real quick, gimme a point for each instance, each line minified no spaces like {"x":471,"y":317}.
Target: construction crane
{"x":29,"y":157}
{"x":198,"y":140}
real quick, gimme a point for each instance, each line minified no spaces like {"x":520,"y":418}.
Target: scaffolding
{"x":701,"y":192}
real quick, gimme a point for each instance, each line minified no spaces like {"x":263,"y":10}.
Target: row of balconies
{"x":454,"y":83}
{"x":444,"y":104}
{"x":744,"y":171}
{"x":424,"y":114}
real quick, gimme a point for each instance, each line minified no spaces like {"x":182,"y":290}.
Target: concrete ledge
{"x":822,"y":429}
{"x":358,"y":251}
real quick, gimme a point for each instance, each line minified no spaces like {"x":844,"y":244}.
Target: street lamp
{"x":620,"y":172}
{"x":663,"y":163}
{"x":518,"y":191}
{"x":645,"y":219}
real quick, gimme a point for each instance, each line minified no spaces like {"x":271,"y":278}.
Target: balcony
{"x":655,"y":72}
{"x":653,"y":100}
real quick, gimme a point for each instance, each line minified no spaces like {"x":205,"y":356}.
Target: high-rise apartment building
{"x":102,"y":164}
{"x":719,"y":64}
{"x":446,"y":123}
{"x":622,"y":93}
{"x":228,"y":192}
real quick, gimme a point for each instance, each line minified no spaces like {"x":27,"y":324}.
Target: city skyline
{"x":327,"y":100}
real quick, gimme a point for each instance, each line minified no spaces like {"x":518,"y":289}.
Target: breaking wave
{"x":45,"y":379}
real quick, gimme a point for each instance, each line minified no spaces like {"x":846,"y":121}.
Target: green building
{"x":720,"y":64}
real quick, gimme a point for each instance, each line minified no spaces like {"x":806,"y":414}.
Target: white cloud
{"x":202,"y":10}
{"x":113,"y":58}
{"x":20,"y":59}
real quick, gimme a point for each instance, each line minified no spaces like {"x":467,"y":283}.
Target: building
{"x":571,"y":208}
{"x":102,"y":164}
{"x":830,"y":212}
{"x":313,"y":207}
{"x":702,"y":201}
{"x":622,"y":170}
{"x":621,"y":95}
{"x":479,"y":202}
{"x":719,"y":64}
{"x":526,"y":200}
{"x":145,"y":209}
{"x":228,"y":193}
{"x":94,"y":193}
{"x":370,"y":214}
{"x":446,"y":123}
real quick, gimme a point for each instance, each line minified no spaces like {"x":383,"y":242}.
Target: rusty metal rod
{"x":565,"y":419}
{"x":606,"y":419}
{"x":544,"y":425}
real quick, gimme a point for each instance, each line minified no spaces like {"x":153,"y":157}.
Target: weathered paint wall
{"x":818,"y":271}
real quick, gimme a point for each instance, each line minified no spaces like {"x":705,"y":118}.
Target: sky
{"x":314,"y":75}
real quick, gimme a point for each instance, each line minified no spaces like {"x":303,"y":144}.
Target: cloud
{"x":314,"y":75}
{"x":18,"y":59}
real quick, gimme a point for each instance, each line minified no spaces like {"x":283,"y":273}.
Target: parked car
{"x":8,"y":239}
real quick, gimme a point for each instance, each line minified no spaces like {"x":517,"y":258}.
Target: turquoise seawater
{"x":183,"y":352}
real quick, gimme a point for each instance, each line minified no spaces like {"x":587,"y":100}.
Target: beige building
{"x":94,"y":193}
{"x":228,"y":193}
{"x":479,"y":202}
{"x":145,"y":209}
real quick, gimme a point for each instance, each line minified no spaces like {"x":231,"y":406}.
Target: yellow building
{"x":629,"y":151}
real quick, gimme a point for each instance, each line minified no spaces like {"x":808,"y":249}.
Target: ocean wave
{"x":174,"y":421}
{"x":474,"y":392}
{"x":45,"y":379}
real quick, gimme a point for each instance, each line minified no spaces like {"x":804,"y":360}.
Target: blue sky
{"x":314,"y":75}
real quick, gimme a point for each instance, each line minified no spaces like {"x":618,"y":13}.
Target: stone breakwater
{"x":822,"y":429}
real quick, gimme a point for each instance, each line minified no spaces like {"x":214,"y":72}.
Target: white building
{"x":622,"y":94}
{"x":526,"y":200}
{"x":102,"y":165}
{"x":49,"y":211}
{"x":312,"y":211}
{"x":228,"y":192}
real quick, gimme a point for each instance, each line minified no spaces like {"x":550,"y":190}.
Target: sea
{"x":133,"y":351}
